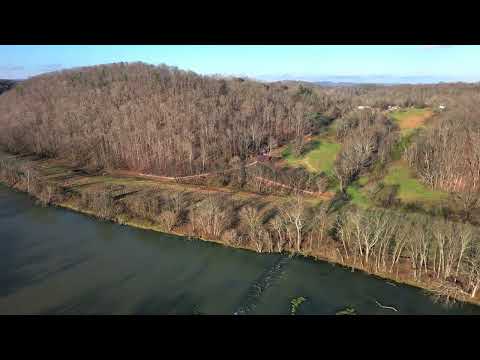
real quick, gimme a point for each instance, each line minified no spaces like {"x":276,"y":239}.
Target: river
{"x":55,"y":261}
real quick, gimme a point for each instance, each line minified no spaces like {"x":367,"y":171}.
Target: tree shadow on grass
{"x":311,"y":145}
{"x":338,"y":201}
{"x":85,"y":185}
{"x":122,"y":196}
{"x":63,"y":177}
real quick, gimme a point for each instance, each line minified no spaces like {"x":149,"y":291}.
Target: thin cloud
{"x":11,"y":68}
{"x":11,"y":71}
{"x":435,"y":46}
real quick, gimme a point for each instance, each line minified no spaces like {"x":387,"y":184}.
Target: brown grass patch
{"x":414,"y":121}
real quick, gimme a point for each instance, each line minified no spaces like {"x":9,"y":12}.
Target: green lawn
{"x":320,"y":156}
{"x":357,"y":195}
{"x":410,"y":188}
{"x":322,"y":151}
{"x":410,"y":119}
{"x":403,"y":143}
{"x":401,"y":114}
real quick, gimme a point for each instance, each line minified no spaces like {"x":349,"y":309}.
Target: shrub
{"x":212,"y":216}
{"x":49,"y":193}
{"x":167,"y":219}
{"x":102,"y":203}
{"x":385,"y":195}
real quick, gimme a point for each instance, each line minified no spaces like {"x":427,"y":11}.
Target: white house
{"x":361,"y":107}
{"x":393,"y":108}
{"x":442,"y":107}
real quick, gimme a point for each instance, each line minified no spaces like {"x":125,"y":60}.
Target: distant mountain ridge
{"x":347,"y":84}
{"x":361,"y":84}
{"x":327,"y":83}
{"x":358,"y":80}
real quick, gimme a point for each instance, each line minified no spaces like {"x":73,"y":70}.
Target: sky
{"x":348,"y":63}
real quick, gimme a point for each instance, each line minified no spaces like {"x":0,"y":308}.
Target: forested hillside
{"x":171,"y":122}
{"x":154,"y":119}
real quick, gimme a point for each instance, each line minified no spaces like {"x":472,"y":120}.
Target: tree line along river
{"x":55,"y":261}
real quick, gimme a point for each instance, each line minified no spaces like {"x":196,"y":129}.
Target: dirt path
{"x":309,"y":166}
{"x":324,"y":195}
{"x":170,"y":178}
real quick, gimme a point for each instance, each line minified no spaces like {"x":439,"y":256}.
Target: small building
{"x":264,"y":155}
{"x":442,"y":107}
{"x":361,"y":107}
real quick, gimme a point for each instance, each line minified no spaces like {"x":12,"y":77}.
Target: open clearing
{"x":357,"y":195}
{"x":410,"y":189}
{"x":398,"y":173}
{"x":319,"y":156}
{"x":409,"y":119}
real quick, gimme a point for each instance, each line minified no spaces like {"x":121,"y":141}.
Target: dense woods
{"x":6,"y":85}
{"x":366,"y":136}
{"x":165,"y":121}
{"x":152,"y":119}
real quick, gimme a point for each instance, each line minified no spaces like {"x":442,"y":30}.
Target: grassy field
{"x":404,"y":114}
{"x":322,"y":150}
{"x":320,"y":156}
{"x":410,"y":119}
{"x":411,"y":189}
{"x":357,"y":195}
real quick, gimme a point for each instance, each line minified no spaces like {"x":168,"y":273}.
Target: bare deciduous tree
{"x":294,"y":214}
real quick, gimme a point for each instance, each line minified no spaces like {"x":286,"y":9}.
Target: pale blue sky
{"x":380,"y":63}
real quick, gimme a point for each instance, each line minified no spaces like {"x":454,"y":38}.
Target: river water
{"x":54,"y":261}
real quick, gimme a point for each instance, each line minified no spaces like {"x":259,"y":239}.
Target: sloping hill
{"x":153,"y":119}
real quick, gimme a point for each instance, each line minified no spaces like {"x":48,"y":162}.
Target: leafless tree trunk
{"x":294,"y":214}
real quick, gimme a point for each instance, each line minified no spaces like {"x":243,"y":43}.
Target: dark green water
{"x":54,"y":261}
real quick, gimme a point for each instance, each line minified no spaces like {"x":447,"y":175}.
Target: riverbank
{"x":60,"y":175}
{"x":71,"y":263}
{"x":399,"y":278}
